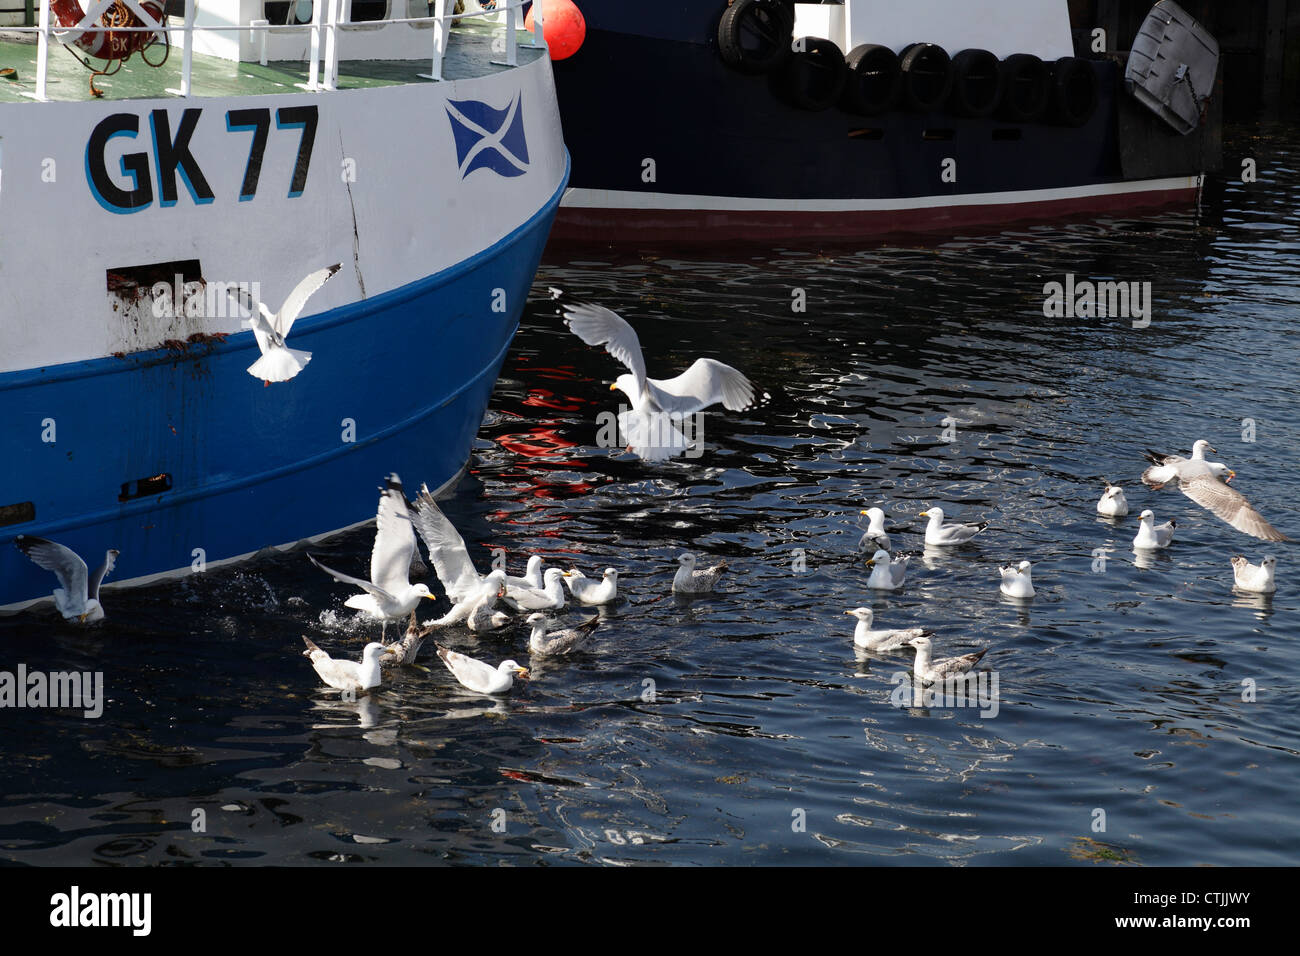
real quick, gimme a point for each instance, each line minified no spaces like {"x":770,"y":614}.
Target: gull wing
{"x":63,"y":561}
{"x":101,"y":572}
{"x":355,"y":582}
{"x":707,"y":382}
{"x":597,"y":325}
{"x":390,"y":559}
{"x":1229,"y":505}
{"x":303,"y":291}
{"x":447,"y":551}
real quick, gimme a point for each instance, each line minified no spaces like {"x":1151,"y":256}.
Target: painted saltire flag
{"x":488,"y":138}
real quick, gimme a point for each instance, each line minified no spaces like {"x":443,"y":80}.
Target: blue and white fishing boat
{"x":276,"y":140}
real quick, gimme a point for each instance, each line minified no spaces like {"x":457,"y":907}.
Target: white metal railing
{"x":330,"y":25}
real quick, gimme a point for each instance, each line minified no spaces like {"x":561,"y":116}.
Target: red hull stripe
{"x":588,"y":221}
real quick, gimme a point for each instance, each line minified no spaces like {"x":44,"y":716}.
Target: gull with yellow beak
{"x":938,"y":534}
{"x":658,"y":405}
{"x":886,"y":573}
{"x":480,"y":677}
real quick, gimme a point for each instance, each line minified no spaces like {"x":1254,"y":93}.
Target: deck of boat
{"x":469,"y":54}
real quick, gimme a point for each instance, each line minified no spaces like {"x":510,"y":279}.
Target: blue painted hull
{"x":252,"y":466}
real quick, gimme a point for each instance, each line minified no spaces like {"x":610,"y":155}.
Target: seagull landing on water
{"x":882,"y":640}
{"x":657,"y":404}
{"x":1113,"y":504}
{"x":587,"y":591}
{"x":930,"y":671}
{"x":875,"y":538}
{"x":689,"y":580}
{"x":939,"y":534}
{"x":390,"y":595}
{"x":78,"y":597}
{"x":1017,"y":581}
{"x":554,"y":643}
{"x":480,"y":677}
{"x":347,"y":675}
{"x":886,"y":573}
{"x":1257,"y":578}
{"x":278,"y":362}
{"x":1206,"y":483}
{"x":1151,"y":536}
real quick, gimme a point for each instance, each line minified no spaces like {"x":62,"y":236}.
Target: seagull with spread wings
{"x":1206,"y":483}
{"x":78,"y":598}
{"x":389,"y":594}
{"x":278,"y":362}
{"x":658,"y":405}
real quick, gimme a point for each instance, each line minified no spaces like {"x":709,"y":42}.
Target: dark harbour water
{"x":1119,"y":691}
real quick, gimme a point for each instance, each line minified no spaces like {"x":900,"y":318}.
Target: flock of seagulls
{"x":489,"y":601}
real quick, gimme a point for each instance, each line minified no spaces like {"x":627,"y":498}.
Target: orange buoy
{"x":563,"y":25}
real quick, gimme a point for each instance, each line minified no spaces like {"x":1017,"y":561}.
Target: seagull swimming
{"x":1113,"y":504}
{"x":532,"y":578}
{"x":1201,"y":481}
{"x":1151,"y":536}
{"x":587,"y":591}
{"x":886,"y":640}
{"x":548,"y":597}
{"x":1254,"y":577}
{"x":938,"y":533}
{"x":931,"y":671}
{"x":390,"y":595}
{"x":543,"y":643}
{"x":481,"y":677}
{"x":347,"y":675}
{"x":78,"y":596}
{"x":658,"y":405}
{"x":278,"y":362}
{"x":1017,"y":581}
{"x":875,"y":538}
{"x":886,"y":573}
{"x":688,"y":580}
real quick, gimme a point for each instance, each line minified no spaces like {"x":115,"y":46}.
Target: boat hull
{"x":668,"y":142}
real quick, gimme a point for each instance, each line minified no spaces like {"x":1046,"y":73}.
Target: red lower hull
{"x":589,"y":224}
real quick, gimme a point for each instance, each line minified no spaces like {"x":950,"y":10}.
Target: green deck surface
{"x":469,"y":53}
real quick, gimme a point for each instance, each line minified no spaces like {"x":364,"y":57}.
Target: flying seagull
{"x":1206,"y":483}
{"x":78,"y":597}
{"x":658,"y":405}
{"x":278,"y":362}
{"x":390,"y":595}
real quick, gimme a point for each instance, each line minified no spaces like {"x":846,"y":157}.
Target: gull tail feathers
{"x":279,"y":364}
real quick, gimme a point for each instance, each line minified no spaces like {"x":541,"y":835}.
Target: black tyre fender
{"x":976,"y":83}
{"x":1026,"y":88}
{"x":1074,"y":91}
{"x":754,"y":35}
{"x":814,"y":75}
{"x":874,"y":80}
{"x":927,"y":76}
